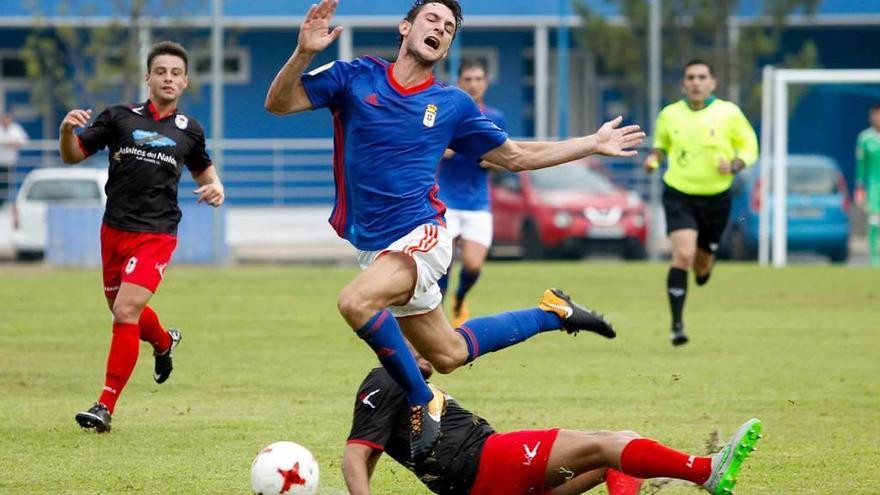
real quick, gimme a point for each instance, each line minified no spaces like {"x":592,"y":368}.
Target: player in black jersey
{"x":149,"y":145}
{"x":470,"y":458}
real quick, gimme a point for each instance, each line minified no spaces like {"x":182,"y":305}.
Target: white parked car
{"x":51,"y":186}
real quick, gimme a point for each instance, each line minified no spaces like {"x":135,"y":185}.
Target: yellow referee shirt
{"x":695,"y":140}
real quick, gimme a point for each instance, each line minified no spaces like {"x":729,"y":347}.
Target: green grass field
{"x":265,"y":357}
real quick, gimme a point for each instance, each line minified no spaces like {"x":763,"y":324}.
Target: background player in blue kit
{"x":464,"y":189}
{"x":392,"y":123}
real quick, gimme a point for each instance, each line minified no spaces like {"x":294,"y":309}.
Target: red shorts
{"x":137,"y":258}
{"x":514,"y":463}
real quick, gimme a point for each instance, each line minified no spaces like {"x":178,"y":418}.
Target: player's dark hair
{"x":472,"y":63}
{"x":698,"y":61}
{"x":452,"y":5}
{"x":875,"y":107}
{"x":168,"y":48}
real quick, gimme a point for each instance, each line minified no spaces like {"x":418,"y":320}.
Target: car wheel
{"x":28,"y":255}
{"x":533,"y":247}
{"x":633,"y":249}
{"x":839,"y":254}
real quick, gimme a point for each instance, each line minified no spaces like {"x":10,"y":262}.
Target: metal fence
{"x":271,"y":172}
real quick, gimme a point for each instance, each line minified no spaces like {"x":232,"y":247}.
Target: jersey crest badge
{"x":181,"y":121}
{"x":430,"y":115}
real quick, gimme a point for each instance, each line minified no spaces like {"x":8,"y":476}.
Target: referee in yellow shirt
{"x":706,"y":141}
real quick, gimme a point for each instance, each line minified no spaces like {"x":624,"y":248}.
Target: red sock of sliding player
{"x":645,"y":458}
{"x":622,"y":484}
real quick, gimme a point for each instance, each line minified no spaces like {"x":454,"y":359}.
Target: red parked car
{"x":566,"y":211}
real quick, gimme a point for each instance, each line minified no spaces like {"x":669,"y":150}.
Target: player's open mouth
{"x":432,"y":42}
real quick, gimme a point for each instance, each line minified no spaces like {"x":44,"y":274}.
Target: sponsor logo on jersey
{"x":372,"y":99}
{"x":138,"y":110}
{"x":160,"y":267}
{"x":181,"y":121}
{"x":151,"y":139}
{"x":430,"y":115}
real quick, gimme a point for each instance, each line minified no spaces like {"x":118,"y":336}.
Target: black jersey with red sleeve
{"x":147,"y":155}
{"x":381,"y":421}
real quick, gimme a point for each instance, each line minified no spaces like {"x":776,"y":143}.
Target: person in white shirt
{"x":12,"y":138}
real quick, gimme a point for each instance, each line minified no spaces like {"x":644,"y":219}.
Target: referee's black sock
{"x":676,"y":286}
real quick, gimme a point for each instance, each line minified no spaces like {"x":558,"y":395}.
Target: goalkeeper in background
{"x":868,"y":180}
{"x":706,"y":141}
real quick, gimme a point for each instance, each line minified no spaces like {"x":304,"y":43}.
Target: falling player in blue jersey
{"x":464,"y":189}
{"x":392,"y":123}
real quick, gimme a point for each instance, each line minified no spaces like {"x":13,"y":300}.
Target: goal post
{"x":774,"y":148}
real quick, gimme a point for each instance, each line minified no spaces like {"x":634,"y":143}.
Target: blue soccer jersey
{"x":388,"y":142}
{"x":464,"y":184}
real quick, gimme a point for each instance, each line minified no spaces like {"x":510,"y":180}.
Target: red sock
{"x":120,"y":362}
{"x":645,"y":458}
{"x":622,"y":484}
{"x":153,"y":332}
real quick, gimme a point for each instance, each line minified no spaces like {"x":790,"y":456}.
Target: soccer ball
{"x":284,"y":468}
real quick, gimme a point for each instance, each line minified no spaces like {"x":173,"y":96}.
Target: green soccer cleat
{"x":728,"y":461}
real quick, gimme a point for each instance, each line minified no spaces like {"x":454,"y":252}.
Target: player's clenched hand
{"x":315,"y":33}
{"x":211,"y":194}
{"x":652,"y":161}
{"x":725,"y":166}
{"x":75,"y":118}
{"x":612,"y":140}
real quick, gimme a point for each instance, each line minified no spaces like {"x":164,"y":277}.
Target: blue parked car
{"x":818,"y":210}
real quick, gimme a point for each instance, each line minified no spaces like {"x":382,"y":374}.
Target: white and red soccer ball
{"x":284,"y":468}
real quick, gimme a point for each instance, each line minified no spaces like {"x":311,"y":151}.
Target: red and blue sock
{"x":492,"y":333}
{"x":383,"y":335}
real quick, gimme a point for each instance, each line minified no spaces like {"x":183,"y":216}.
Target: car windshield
{"x":63,"y":190}
{"x":812,"y":180}
{"x":571,"y":178}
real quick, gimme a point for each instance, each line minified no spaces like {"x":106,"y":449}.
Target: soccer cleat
{"x":162,"y":368}
{"x":424,"y":424}
{"x":97,"y":418}
{"x":574,"y":316}
{"x":460,"y":313}
{"x":727,"y":463}
{"x":678,"y":335}
{"x":702,"y":279}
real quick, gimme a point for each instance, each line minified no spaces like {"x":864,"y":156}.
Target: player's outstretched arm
{"x":358,"y":462}
{"x":286,"y":94}
{"x":67,"y":144}
{"x":609,"y":140}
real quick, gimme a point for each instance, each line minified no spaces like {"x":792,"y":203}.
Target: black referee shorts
{"x":707,"y":215}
